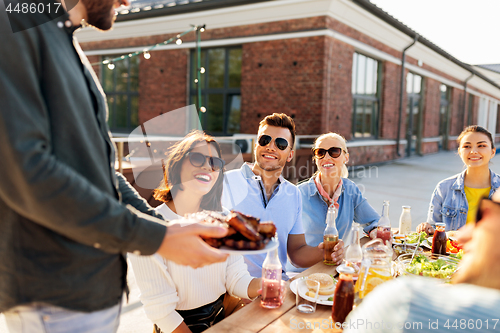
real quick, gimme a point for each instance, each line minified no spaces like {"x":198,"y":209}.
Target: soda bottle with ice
{"x":330,"y":235}
{"x":271,"y":281}
{"x":384,"y":225}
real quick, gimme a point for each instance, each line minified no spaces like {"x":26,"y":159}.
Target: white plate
{"x":322,"y":299}
{"x":273,"y":243}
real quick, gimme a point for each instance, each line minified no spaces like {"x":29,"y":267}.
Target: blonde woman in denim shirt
{"x":455,"y":199}
{"x":330,"y":185}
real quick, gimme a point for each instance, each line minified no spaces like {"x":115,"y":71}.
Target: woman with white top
{"x":179,"y":298}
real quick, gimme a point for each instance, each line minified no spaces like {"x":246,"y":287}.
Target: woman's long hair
{"x":344,"y":173}
{"x":172,"y":165}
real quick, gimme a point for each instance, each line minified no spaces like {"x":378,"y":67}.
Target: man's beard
{"x":99,"y":13}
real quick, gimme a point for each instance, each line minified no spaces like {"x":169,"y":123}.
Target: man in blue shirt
{"x":260,"y":190}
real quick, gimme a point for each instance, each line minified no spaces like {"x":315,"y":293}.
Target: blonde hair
{"x":343,"y":143}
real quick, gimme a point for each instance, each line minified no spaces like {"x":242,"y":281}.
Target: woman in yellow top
{"x":455,"y":199}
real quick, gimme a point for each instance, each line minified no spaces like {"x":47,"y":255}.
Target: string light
{"x":195,"y":80}
{"x":203,"y":109}
{"x":177,"y":39}
{"x":202,"y":70}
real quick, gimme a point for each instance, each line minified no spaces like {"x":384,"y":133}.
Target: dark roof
{"x":492,"y":67}
{"x":388,"y":18}
{"x":140,"y":9}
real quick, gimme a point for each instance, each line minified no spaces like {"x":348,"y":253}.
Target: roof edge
{"x":386,"y":17}
{"x":187,"y":8}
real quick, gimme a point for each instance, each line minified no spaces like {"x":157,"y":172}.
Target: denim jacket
{"x":352,"y":206}
{"x":450,"y":203}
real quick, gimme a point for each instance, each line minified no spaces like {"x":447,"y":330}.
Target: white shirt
{"x":166,"y":286}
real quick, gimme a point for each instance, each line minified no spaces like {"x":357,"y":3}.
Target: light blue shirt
{"x":352,"y":206}
{"x":244,"y":192}
{"x":450,"y":203}
{"x":419,"y":304}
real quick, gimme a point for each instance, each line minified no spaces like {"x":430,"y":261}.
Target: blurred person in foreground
{"x":67,"y":218}
{"x":455,"y":199}
{"x":470,"y":304}
{"x":179,"y":298}
{"x":260,"y":190}
{"x":329,"y":185}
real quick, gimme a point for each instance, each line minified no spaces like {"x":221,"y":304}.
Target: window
{"x":413,"y":90}
{"x":121,"y":86}
{"x":365,"y":82}
{"x":443,"y":110}
{"x":220,"y":89}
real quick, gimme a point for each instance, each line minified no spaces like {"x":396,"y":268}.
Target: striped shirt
{"x":413,"y":304}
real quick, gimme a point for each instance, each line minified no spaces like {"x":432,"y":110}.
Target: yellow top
{"x":474,"y":195}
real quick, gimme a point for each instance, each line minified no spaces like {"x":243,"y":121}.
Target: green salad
{"x":416,"y":237}
{"x":440,"y":268}
{"x":457,"y":255}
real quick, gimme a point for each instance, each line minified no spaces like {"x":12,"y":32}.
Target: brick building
{"x":333,"y":65}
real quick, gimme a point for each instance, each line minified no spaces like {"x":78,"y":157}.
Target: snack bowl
{"x":428,"y":265}
{"x":399,"y":249}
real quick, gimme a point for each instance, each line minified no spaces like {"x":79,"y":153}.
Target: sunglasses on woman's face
{"x":332,"y":151}
{"x":198,"y":160}
{"x":265,"y":139}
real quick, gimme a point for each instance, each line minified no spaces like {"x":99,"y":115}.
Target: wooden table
{"x":254,"y":318}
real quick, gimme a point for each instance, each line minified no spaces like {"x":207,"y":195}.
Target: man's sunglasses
{"x":198,"y":160}
{"x":332,"y":151}
{"x":265,"y":139}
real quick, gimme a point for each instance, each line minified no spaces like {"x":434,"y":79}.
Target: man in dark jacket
{"x":66,"y":217}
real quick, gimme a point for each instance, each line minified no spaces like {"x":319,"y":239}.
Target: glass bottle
{"x":330,"y":235}
{"x":439,"y":239}
{"x":384,"y":224}
{"x":405,"y":221}
{"x":353,"y":254}
{"x":343,"y":298}
{"x":271,"y":281}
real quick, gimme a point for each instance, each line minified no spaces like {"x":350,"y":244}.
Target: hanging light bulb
{"x":202,"y":109}
{"x":195,"y":80}
{"x":111,"y":66}
{"x":202,"y":70}
{"x":105,"y":62}
{"x":202,"y":28}
{"x":147,"y":55}
{"x":178,"y":42}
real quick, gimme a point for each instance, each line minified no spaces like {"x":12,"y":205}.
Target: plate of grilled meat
{"x":246,"y":234}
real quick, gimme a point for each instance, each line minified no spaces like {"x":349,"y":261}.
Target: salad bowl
{"x":428,"y":265}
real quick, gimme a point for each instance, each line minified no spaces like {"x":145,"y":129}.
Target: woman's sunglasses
{"x":332,"y":151}
{"x":265,"y":139}
{"x":198,"y":160}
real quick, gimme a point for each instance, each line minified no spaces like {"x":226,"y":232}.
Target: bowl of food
{"x":412,"y":238}
{"x":400,"y":249}
{"x":428,"y":265}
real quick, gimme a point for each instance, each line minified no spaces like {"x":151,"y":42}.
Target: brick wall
{"x":283,"y":76}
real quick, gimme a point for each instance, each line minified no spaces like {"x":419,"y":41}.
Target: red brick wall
{"x":163,"y":83}
{"x":283,"y":76}
{"x":337,"y":95}
{"x":431,"y":108}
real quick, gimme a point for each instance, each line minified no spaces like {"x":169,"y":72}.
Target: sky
{"x":469,"y":30}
